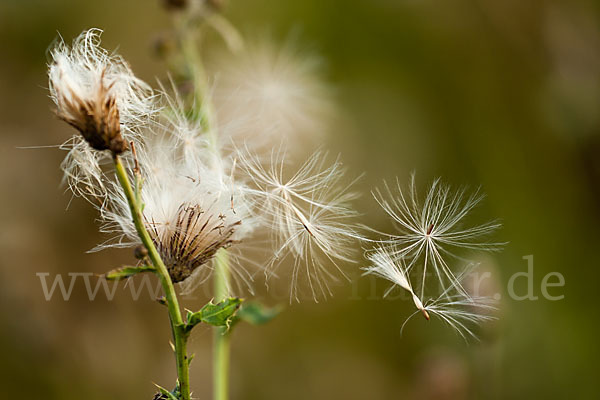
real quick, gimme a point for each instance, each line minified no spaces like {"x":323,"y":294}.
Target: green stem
{"x":221,"y":335}
{"x":190,"y":51}
{"x":177,"y":325}
{"x":203,"y":109}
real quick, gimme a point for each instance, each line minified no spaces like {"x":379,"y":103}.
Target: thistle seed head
{"x":266,"y":94}
{"x":193,"y":240}
{"x":96,"y":92}
{"x":95,"y":117}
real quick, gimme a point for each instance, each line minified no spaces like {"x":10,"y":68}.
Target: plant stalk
{"x":221,"y":335}
{"x":177,"y":325}
{"x":203,"y":109}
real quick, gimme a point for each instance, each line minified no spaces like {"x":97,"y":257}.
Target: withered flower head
{"x":191,"y":211}
{"x":96,"y":118}
{"x":192,"y":239}
{"x":96,"y":92}
{"x":192,"y":207}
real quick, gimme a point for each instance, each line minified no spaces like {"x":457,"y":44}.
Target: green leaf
{"x":220,"y":314}
{"x":256,"y":313}
{"x":127,"y":272}
{"x":165,"y":393}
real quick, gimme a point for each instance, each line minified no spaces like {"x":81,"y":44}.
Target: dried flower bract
{"x":194,"y":239}
{"x":96,"y":92}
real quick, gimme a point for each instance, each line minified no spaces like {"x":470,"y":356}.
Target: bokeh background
{"x":502,"y":94}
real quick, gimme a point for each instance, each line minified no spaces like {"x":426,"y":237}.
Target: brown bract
{"x":96,"y":118}
{"x":194,"y":239}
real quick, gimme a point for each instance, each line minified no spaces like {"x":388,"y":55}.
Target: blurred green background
{"x":502,"y":94}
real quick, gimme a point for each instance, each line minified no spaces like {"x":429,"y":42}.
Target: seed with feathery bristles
{"x":431,"y":231}
{"x":386,"y":266}
{"x":309,"y":215}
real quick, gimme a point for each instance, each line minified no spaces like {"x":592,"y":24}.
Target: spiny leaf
{"x":165,"y":393}
{"x":127,"y":272}
{"x":220,"y":314}
{"x":256,"y":313}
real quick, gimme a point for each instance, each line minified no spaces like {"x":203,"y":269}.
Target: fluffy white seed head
{"x":86,"y":73}
{"x":205,"y":221}
{"x":266,"y":95}
{"x":97,"y":93}
{"x":192,"y":209}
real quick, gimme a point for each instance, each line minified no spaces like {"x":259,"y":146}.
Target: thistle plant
{"x":183,"y":201}
{"x":171,"y":180}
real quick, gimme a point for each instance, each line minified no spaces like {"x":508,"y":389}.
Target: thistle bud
{"x":163,"y":45}
{"x":140,"y":252}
